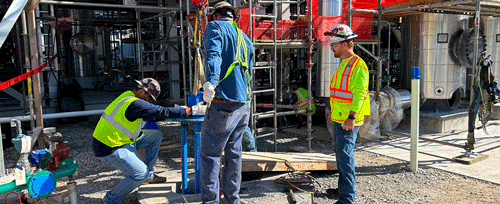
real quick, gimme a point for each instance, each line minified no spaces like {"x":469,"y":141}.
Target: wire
{"x":18,"y":197}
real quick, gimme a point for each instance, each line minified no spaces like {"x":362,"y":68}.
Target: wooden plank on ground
{"x":266,"y":161}
{"x":470,"y":160}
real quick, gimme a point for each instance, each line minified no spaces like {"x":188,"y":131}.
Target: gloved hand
{"x":199,"y":109}
{"x":208,"y":92}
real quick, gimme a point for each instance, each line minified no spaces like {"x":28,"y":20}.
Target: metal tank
{"x":427,"y":42}
{"x":328,"y":64}
{"x":492,"y":34}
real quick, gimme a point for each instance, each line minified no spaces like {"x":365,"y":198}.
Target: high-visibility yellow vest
{"x":349,"y":91}
{"x":302,"y":100}
{"x":113,"y":129}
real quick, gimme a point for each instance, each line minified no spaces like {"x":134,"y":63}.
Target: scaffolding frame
{"x":283,"y":44}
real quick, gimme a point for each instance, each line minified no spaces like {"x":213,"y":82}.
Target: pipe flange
{"x":83,"y":43}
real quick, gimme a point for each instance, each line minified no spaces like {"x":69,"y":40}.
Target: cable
{"x":18,"y":197}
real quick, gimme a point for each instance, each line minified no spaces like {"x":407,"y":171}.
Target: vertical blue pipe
{"x":197,"y":143}
{"x":184,"y":185}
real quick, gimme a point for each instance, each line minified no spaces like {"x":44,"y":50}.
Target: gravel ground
{"x":380,"y":179}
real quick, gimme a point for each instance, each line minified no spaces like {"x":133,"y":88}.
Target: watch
{"x":351,"y":117}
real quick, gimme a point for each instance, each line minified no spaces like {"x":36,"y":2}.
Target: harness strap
{"x":241,"y":60}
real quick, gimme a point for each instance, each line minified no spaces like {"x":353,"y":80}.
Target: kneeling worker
{"x":299,"y":98}
{"x":119,"y":134}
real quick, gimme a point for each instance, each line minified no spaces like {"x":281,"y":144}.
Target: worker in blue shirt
{"x":120,"y":133}
{"x":228,"y":59}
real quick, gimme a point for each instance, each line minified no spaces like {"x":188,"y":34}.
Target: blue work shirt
{"x":220,"y":46}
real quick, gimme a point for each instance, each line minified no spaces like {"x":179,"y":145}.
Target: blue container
{"x":151,"y":126}
{"x":193,"y":100}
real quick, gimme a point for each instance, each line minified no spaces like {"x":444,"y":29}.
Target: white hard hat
{"x":339,"y":33}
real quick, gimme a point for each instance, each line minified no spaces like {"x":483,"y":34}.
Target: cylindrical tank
{"x":492,"y":34}
{"x":327,"y":63}
{"x":426,"y":42}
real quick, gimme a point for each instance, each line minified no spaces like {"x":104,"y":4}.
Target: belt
{"x":220,"y":100}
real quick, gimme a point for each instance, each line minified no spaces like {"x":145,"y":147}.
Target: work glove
{"x":199,"y":109}
{"x":208,"y":92}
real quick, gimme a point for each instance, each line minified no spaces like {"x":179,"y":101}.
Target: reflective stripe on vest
{"x":343,"y":92}
{"x":110,"y":119}
{"x":303,"y":101}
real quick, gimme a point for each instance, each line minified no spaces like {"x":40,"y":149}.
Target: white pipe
{"x":415,"y":106}
{"x":101,"y":5}
{"x":55,"y":115}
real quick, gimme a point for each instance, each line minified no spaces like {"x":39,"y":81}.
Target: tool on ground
{"x":293,"y":200}
{"x":295,"y":178}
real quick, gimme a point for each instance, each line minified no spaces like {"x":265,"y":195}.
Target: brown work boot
{"x":155,"y":179}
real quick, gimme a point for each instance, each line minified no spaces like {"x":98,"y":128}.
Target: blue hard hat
{"x":296,"y":80}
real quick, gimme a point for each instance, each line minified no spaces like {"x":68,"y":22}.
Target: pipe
{"x":270,"y":115}
{"x":72,"y":192}
{"x":263,"y":105}
{"x":415,"y":101}
{"x":99,"y":5}
{"x":55,"y":115}
{"x":18,"y":125}
{"x":181,"y":24}
{"x":11,"y":186}
{"x":2,"y":165}
{"x":472,"y":113}
{"x":309,"y":79}
{"x":69,"y":167}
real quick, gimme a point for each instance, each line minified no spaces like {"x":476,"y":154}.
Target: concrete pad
{"x":444,"y":121}
{"x":495,"y":111}
{"x":441,"y":156}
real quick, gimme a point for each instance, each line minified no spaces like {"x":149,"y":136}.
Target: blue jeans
{"x":344,"y":152}
{"x":127,"y":160}
{"x":222,"y":131}
{"x":248,"y":141}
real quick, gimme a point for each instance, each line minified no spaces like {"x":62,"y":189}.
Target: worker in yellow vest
{"x":299,"y":98}
{"x":350,"y":103}
{"x":119,"y":134}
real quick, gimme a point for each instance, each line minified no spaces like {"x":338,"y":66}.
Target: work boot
{"x":333,"y":192}
{"x":155,"y":179}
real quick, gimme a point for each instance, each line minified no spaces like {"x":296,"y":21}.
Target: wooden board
{"x":266,"y":161}
{"x":470,"y":160}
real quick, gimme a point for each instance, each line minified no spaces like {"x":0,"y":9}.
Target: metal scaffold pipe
{"x":142,"y":8}
{"x":55,"y":115}
{"x":309,"y":78}
{"x":472,"y":113}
